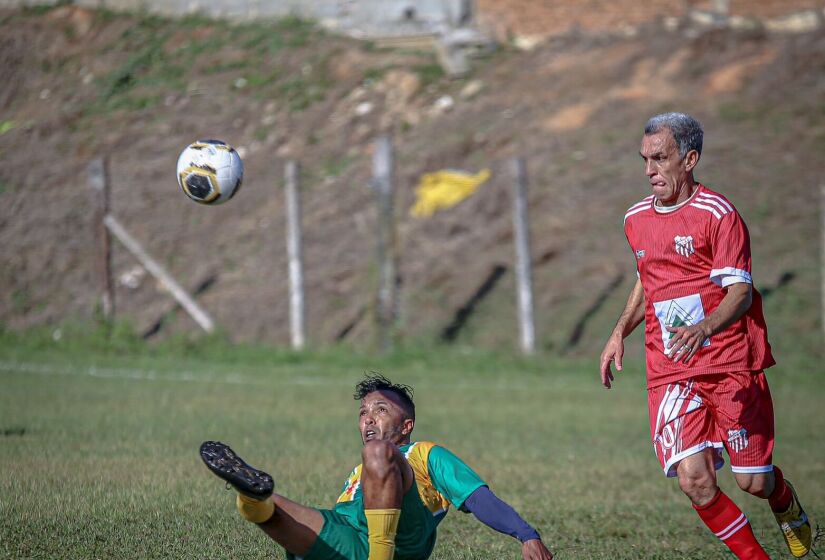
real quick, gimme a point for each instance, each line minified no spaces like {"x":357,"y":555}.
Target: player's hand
{"x":685,"y":342}
{"x":613,"y":351}
{"x":535,"y":550}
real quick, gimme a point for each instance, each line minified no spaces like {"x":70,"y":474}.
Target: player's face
{"x":381,"y":417}
{"x":669,"y":174}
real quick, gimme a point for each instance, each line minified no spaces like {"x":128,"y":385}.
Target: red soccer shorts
{"x":730,"y":410}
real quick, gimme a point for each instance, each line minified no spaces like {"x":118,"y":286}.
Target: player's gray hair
{"x":687,"y":131}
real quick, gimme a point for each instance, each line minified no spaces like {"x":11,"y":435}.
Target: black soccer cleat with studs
{"x":249,"y":481}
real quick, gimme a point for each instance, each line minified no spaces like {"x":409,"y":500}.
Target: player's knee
{"x":700,"y":486}
{"x":378,"y":457}
{"x":759,"y":485}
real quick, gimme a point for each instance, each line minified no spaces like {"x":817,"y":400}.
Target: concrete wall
{"x":356,"y":17}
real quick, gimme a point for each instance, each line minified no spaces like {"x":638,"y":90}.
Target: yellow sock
{"x":256,"y":511}
{"x":382,"y":525}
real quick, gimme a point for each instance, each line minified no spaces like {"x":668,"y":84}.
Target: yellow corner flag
{"x":444,"y":189}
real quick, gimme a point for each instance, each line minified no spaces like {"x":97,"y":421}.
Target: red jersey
{"x":686,"y":257}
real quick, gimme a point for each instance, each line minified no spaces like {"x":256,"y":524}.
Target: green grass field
{"x":98,"y":448}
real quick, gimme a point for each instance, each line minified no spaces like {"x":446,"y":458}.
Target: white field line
{"x":235,"y":378}
{"x":155,"y":375}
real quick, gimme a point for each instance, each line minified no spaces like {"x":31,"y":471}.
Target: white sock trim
{"x":728,"y":531}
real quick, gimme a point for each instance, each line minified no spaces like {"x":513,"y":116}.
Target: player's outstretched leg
{"x":792,"y":519}
{"x":254,"y":486}
{"x":385,"y":478}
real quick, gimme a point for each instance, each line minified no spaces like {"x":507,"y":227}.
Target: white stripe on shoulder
{"x":410,"y":450}
{"x":721,"y":200}
{"x":636,"y":211}
{"x":710,"y":209}
{"x":638,"y":207}
{"x":644,"y":202}
{"x":714,"y":202}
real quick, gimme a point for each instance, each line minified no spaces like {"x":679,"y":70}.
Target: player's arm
{"x":631,"y":317}
{"x":500,"y":516}
{"x":463,"y":488}
{"x":688,"y":340}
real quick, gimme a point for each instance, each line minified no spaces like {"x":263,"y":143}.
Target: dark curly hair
{"x":376,"y":382}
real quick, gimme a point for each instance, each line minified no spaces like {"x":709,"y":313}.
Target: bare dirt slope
{"x":77,"y":84}
{"x":531,"y":20}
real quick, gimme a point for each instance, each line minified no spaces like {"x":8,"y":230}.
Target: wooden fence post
{"x":99,"y":183}
{"x":521,"y":228}
{"x":295,"y":255}
{"x":382,"y":183}
{"x":183,"y":298}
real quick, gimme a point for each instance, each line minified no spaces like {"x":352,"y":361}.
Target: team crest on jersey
{"x":684,"y":245}
{"x":640,"y":254}
{"x":738,"y":439}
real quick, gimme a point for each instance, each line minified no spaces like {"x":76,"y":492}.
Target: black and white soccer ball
{"x":210,"y":171}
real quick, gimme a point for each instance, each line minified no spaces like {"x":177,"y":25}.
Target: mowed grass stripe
{"x":108,"y":467}
{"x":294,"y":377}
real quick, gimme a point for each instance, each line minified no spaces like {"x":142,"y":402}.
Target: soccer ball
{"x":210,"y":171}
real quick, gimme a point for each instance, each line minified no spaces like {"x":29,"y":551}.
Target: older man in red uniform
{"x":706,"y":342}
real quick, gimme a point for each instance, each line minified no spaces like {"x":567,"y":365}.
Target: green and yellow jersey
{"x":441,"y":480}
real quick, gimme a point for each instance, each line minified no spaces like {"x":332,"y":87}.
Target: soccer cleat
{"x":795,"y":526}
{"x":249,"y":481}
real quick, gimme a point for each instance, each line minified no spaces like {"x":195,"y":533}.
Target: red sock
{"x":728,"y":523}
{"x":781,"y":498}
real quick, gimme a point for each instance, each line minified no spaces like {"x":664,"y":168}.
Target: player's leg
{"x":293,"y":526}
{"x":385,"y":478}
{"x":697,"y":479}
{"x":684,"y":437}
{"x":784,"y":503}
{"x":697,"y":476}
{"x":792,"y":519}
{"x":745,"y":415}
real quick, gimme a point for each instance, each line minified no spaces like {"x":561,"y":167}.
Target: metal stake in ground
{"x":295,"y":255}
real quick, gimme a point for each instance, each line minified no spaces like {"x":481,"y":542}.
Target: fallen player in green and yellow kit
{"x":390,"y":505}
